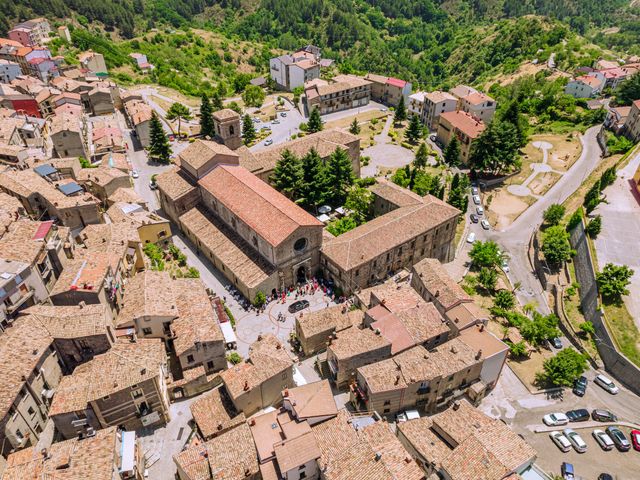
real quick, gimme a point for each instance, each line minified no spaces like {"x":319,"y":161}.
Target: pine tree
{"x":159,"y":148}
{"x":452,"y":152}
{"x":216,"y":101}
{"x":314,"y":189}
{"x":339,"y":176}
{"x":422,"y":156}
{"x":354,"y":129}
{"x":248,"y":130}
{"x":287,"y":176}
{"x":315,"y":122}
{"x":206,"y":119}
{"x":414,"y":131}
{"x":401,"y":112}
{"x":180,"y":112}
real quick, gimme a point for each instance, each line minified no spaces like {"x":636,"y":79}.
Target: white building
{"x":9,"y":71}
{"x":586,"y":86}
{"x":290,"y":71}
{"x":477,"y":104}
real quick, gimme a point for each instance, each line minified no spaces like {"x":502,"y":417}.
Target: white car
{"x":268,"y":142}
{"x":505,"y":266}
{"x":471,"y":238}
{"x":603,"y":439}
{"x":607,"y":384}
{"x":576,"y":440}
{"x":561,"y":441}
{"x":474,"y":190}
{"x":480,"y":211}
{"x":135,"y":174}
{"x":275,"y":122}
{"x":555,"y":419}
{"x":485,"y":224}
{"x":476,"y":199}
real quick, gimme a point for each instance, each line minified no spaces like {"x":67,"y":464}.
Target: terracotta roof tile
{"x":439,"y":283}
{"x":212,"y":413}
{"x":312,"y":400}
{"x":464,"y":122}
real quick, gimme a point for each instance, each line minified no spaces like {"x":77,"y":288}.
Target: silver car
{"x":476,"y":199}
{"x":603,"y":439}
{"x":576,"y":440}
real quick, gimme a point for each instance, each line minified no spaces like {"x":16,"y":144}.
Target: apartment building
{"x":293,"y":70}
{"x":461,"y":443}
{"x":477,"y":104}
{"x":31,"y":33}
{"x":430,"y":105}
{"x":585,"y":86}
{"x":119,"y":242}
{"x":313,"y":330}
{"x":138,"y":115}
{"x":206,"y":460}
{"x":132,"y":391}
{"x":93,"y":62}
{"x":110,"y":453}
{"x":9,"y":71}
{"x":20,"y":287}
{"x":214,"y":414}
{"x":342,"y":93}
{"x":78,"y":332}
{"x":68,"y":133}
{"x":464,"y":126}
{"x":258,"y":382}
{"x":151,"y":227}
{"x":422,"y":227}
{"x":102,"y":182}
{"x":353,"y":348}
{"x":417,"y":378}
{"x":30,"y":375}
{"x":45,"y":247}
{"x":388,"y":90}
{"x":632,"y":125}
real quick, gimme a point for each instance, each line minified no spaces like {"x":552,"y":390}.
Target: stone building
{"x":226,"y":123}
{"x":314,"y":329}
{"x":258,"y":382}
{"x":412,"y":228}
{"x":132,"y":390}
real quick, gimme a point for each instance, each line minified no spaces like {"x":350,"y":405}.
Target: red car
{"x":635,"y":439}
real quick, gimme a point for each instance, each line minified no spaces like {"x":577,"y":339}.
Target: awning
{"x":128,"y":452}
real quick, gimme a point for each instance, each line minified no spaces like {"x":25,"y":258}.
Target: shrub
{"x":234,"y":358}
{"x":260,"y":299}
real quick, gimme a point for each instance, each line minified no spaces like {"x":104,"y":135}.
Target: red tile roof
{"x":464,"y":122}
{"x":396,"y":82}
{"x":265,"y":210}
{"x":42,"y":230}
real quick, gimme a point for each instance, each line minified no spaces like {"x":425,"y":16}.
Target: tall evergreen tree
{"x":206,"y":119}
{"x":314,"y":190}
{"x":179,"y":112}
{"x":512,"y":115}
{"x":216,"y":101}
{"x":287,"y":176}
{"x":354,"y":128}
{"x":422,"y":156}
{"x":496,"y":149}
{"x":452,"y":152}
{"x":248,"y":130}
{"x":401,"y":112}
{"x":159,"y":148}
{"x":339,"y":176}
{"x":414,"y":130}
{"x":315,"y":122}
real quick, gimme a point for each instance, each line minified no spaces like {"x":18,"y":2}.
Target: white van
{"x":607,"y":384}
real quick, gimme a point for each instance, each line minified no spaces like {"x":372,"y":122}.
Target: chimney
{"x":219,"y":426}
{"x":45,"y":454}
{"x":456,"y":406}
{"x":482,"y":327}
{"x":82,"y":304}
{"x":285,"y":393}
{"x":454,"y":349}
{"x":397,"y":380}
{"x":479,"y":354}
{"x":259,"y":338}
{"x":377,"y":331}
{"x":246,"y":385}
{"x":437,"y":293}
{"x":378,"y":456}
{"x":252,"y":422}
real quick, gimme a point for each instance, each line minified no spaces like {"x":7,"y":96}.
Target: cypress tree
{"x":159,"y":148}
{"x":248,"y":130}
{"x":401,"y":112}
{"x":206,"y":118}
{"x":314,"y":190}
{"x":452,"y":152}
{"x":315,"y":122}
{"x":287,"y":176}
{"x":414,"y":131}
{"x":339,"y":176}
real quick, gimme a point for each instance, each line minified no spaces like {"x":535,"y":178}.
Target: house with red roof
{"x":586,"y":86}
{"x":464,"y":126}
{"x":388,"y":90}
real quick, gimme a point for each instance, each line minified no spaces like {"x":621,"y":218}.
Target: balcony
{"x":15,"y":306}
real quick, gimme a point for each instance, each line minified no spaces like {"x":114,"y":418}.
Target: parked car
{"x":580,"y":386}
{"x":555,"y":419}
{"x":618,"y":438}
{"x":474,"y":218}
{"x":153,"y":185}
{"x":567,"y":471}
{"x":485,"y":224}
{"x":607,"y":384}
{"x":275,"y":121}
{"x":476,"y":199}
{"x":605,"y":476}
{"x":474,"y":190}
{"x":601,"y":415}
{"x":576,"y":440}
{"x":561,"y":441}
{"x":635,"y":439}
{"x":603,"y":439}
{"x":505,"y":265}
{"x":135,"y":174}
{"x":480,"y":211}
{"x":283,"y":114}
{"x":255,"y":120}
{"x":407,"y":415}
{"x":579,"y":415}
{"x":556,"y":342}
{"x":471,"y":238}
{"x":268,"y":142}
{"x":297,"y":306}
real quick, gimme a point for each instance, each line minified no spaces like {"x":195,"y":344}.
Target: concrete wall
{"x":619,"y":366}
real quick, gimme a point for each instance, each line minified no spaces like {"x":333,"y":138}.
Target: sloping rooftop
{"x":175,"y":183}
{"x":439,"y":283}
{"x":312,"y":400}
{"x":265,"y":210}
{"x":355,"y":341}
{"x":211,"y":412}
{"x":267,"y":358}
{"x":464,"y":122}
{"x":85,"y":272}
{"x":336,"y":317}
{"x":22,"y":243}
{"x":395,"y":194}
{"x":382,"y":234}
{"x":72,"y":321}
{"x":200,"y":152}
{"x":292,"y":453}
{"x":438,"y":96}
{"x":125,"y":364}
{"x":149,"y":294}
{"x":94,"y":458}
